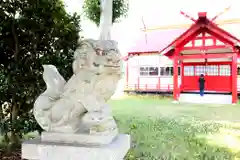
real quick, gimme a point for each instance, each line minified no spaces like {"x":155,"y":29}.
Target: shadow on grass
{"x":166,"y":139}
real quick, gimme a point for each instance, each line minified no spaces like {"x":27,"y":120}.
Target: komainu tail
{"x":55,"y":84}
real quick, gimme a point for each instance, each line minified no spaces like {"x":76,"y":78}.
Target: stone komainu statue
{"x":79,"y":105}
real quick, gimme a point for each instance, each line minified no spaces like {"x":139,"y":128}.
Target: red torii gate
{"x":185,"y":51}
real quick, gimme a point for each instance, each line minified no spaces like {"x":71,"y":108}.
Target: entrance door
{"x":217,"y":76}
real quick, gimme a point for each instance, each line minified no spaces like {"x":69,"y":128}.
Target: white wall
{"x":151,"y":81}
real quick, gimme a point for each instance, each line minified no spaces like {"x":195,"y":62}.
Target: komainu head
{"x":96,"y":54}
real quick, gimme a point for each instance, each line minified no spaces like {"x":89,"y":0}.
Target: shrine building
{"x":204,"y":48}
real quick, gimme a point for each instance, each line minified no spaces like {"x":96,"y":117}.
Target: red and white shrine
{"x":217,"y":61}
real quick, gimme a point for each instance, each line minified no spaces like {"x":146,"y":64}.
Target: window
{"x":153,"y":71}
{"x":212,"y":70}
{"x":224,"y":70}
{"x":200,"y":70}
{"x":168,"y":71}
{"x":149,"y":71}
{"x":162,"y":70}
{"x":188,"y":70}
{"x":156,"y":71}
{"x":165,"y":71}
{"x":143,"y":71}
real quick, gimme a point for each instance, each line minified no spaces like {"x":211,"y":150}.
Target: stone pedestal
{"x":84,"y":147}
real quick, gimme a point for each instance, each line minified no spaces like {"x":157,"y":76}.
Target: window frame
{"x":210,"y":70}
{"x":148,"y":71}
{"x":170,"y":72}
{"x":159,"y":71}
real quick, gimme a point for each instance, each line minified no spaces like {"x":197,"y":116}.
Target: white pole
{"x":106,"y":19}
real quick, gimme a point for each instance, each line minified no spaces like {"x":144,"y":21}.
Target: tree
{"x":92,"y":10}
{"x":32,"y":33}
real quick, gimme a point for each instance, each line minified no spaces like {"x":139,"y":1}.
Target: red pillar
{"x":234,"y":78}
{"x":181,"y":74}
{"x":175,"y":78}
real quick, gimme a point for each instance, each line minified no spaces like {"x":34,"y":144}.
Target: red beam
{"x":142,"y":52}
{"x":219,"y":34}
{"x":224,"y":39}
{"x":189,"y":38}
{"x":190,"y":35}
{"x":203,"y":63}
{"x":206,"y":37}
{"x":198,"y":28}
{"x":212,"y":25}
{"x":186,"y":34}
{"x":203,"y":56}
{"x":192,"y":54}
{"x":205,"y":47}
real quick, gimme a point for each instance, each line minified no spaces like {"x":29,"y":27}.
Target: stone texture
{"x":38,"y":150}
{"x":78,"y":122}
{"x":78,"y":138}
{"x":79,"y":104}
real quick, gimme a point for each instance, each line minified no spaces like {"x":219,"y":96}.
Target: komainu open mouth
{"x":112,"y":66}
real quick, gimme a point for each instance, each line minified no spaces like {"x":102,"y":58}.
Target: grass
{"x":162,"y":130}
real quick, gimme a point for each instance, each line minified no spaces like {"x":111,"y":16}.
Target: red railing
{"x":154,"y":87}
{"x":149,"y":87}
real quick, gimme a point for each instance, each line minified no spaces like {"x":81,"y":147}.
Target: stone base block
{"x":37,"y":149}
{"x":78,"y":138}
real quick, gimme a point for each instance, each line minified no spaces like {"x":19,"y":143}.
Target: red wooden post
{"x":175,"y":77}
{"x":181,"y":74}
{"x":206,"y":56}
{"x":234,"y":78}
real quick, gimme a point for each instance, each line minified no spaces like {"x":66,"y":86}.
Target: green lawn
{"x":162,"y":130}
